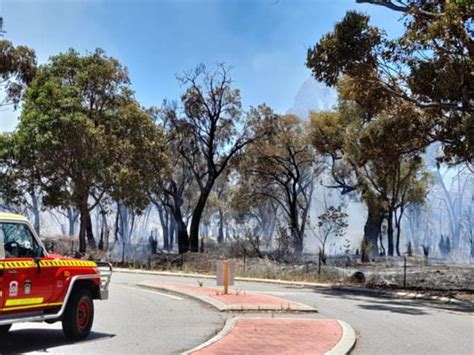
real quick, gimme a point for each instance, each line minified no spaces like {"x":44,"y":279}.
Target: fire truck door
{"x":26,"y":284}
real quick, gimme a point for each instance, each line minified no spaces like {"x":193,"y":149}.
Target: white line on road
{"x":152,"y":292}
{"x":276,"y":293}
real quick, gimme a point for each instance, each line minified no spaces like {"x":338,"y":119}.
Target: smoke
{"x":312,"y":96}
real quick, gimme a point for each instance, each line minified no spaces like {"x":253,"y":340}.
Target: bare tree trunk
{"x":453,"y":208}
{"x":124,"y":230}
{"x":166,"y":230}
{"x":196,"y":218}
{"x":180,"y":226}
{"x":390,"y":233}
{"x":36,"y":212}
{"x":82,"y":228}
{"x":117,"y":222}
{"x":382,"y":247}
{"x":101,"y":239}
{"x":182,"y":234}
{"x":164,"y":222}
{"x":72,"y":215}
{"x":104,"y":233}
{"x":398,"y":225}
{"x":220,"y":236}
{"x":107,"y":239}
{"x":372,"y":231}
{"x":89,"y":231}
{"x":414,"y":215}
{"x":58,"y":221}
{"x":172,"y":230}
{"x":297,"y":238}
{"x":297,"y":242}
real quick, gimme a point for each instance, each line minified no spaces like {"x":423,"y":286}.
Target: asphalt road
{"x":142,"y":321}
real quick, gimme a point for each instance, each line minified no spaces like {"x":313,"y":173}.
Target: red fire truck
{"x":37,"y":286}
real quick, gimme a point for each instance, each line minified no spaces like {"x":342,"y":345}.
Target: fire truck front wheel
{"x":78,"y":315}
{"x":4,"y":329}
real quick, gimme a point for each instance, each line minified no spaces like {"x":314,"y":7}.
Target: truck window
{"x":18,"y":241}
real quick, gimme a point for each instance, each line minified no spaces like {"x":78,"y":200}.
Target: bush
{"x":283,"y":243}
{"x":249,"y":245}
{"x":61,"y":245}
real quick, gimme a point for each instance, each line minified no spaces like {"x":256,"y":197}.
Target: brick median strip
{"x":235,"y":301}
{"x":280,"y":336}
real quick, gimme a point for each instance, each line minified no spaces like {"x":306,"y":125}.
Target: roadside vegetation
{"x":203,"y":174}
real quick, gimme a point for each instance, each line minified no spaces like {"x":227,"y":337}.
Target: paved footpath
{"x":252,"y":335}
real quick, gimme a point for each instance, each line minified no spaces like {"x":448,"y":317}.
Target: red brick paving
{"x":277,"y":336}
{"x":233,"y":298}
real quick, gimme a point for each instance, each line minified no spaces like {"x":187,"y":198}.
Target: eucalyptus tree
{"x":84,"y":136}
{"x":430,"y":65}
{"x":375,"y":145}
{"x":283,"y":168}
{"x":19,"y":191}
{"x":173,"y":193}
{"x":17,"y":69}
{"x":209,"y":132}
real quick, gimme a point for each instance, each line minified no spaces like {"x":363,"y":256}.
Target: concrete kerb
{"x":394,"y":294}
{"x":343,"y":346}
{"x":238,"y":278}
{"x":347,"y":341}
{"x":228,"y":326}
{"x":222,"y":307}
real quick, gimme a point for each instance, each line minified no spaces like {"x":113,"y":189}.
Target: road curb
{"x":222,"y":307}
{"x":237,"y":278}
{"x":228,"y":326}
{"x":347,"y":342}
{"x":343,"y":346}
{"x":389,"y":293}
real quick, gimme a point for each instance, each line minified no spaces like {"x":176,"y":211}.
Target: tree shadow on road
{"x":26,"y":340}
{"x":379,"y":298}
{"x":403,"y":310}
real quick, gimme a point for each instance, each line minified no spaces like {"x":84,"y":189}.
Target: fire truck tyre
{"x":78,"y":315}
{"x":4,"y":329}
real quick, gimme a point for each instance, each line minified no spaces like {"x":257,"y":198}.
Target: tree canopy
{"x":283,"y":168}
{"x":211,"y":129}
{"x":374,"y":146}
{"x":82,"y":135}
{"x":17,"y":69}
{"x":430,"y":65}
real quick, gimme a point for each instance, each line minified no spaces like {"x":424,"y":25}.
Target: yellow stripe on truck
{"x":23,"y":301}
{"x":31,"y":306}
{"x":45,"y":263}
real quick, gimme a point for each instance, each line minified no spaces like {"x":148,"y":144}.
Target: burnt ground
{"x":433,"y":277}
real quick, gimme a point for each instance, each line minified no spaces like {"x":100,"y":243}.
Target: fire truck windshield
{"x":18,"y":240}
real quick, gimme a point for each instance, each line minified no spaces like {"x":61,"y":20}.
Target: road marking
{"x":152,"y":292}
{"x":276,"y":293}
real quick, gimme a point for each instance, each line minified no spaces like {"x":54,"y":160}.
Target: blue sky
{"x":264,"y":41}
